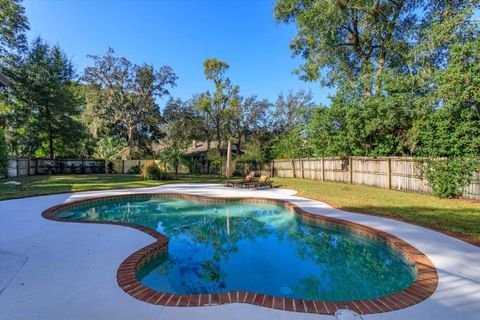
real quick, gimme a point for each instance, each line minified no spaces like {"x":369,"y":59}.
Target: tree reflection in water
{"x":266,"y":248}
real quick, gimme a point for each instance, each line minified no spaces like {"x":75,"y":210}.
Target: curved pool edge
{"x":425,"y":283}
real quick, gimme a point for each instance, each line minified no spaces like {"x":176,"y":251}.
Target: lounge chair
{"x":248,"y":178}
{"x":263,"y":181}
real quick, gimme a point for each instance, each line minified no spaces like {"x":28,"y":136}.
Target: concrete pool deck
{"x":54,"y":270}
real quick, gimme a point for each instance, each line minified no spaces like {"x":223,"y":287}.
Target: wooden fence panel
{"x":336,"y":169}
{"x":370,"y":171}
{"x":398,"y":173}
{"x":473,"y":189}
{"x":407,"y":174}
{"x":283,"y":168}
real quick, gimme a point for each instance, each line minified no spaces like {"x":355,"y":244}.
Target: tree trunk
{"x":238,"y":145}
{"x":208,"y":161}
{"x":381,"y":63}
{"x":219,"y":139}
{"x":228,"y":166}
{"x":130,"y":141}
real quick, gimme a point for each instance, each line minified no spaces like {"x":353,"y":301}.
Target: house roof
{"x":201,"y":147}
{"x":4,"y":81}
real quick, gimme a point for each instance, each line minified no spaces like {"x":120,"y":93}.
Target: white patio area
{"x":54,"y":270}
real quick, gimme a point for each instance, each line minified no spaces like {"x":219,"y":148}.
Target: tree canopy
{"x":405,"y":77}
{"x":46,"y":103}
{"x":122,"y":96}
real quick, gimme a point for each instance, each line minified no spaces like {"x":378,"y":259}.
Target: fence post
{"x":301,"y":167}
{"x":272,"y":168}
{"x":123,"y":166}
{"x":350,"y":168}
{"x":18,"y":172}
{"x":28,"y":171}
{"x":389,"y":173}
{"x":323,"y":168}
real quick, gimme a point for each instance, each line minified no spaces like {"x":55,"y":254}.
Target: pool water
{"x":263,"y":248}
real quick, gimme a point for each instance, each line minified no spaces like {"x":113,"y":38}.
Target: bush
{"x":134,"y":170}
{"x":153,"y":172}
{"x":448,"y":178}
{"x":110,"y":167}
{"x":214,"y":156}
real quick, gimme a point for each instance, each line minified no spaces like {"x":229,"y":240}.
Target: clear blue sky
{"x":181,"y":34}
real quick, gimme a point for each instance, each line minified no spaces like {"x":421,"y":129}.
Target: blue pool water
{"x":263,"y":248}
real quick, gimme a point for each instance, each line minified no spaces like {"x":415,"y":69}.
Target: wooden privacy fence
{"x":397,"y":173}
{"x":123,"y":166}
{"x":20,"y":167}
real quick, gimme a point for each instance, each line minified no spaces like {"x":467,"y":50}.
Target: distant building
{"x":197,"y":152}
{"x":200,"y":148}
{"x":4,"y":81}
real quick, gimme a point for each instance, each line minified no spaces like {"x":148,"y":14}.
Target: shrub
{"x":214,"y":156}
{"x":448,"y":178}
{"x":110,"y":167}
{"x":134,"y":170}
{"x":153,"y":172}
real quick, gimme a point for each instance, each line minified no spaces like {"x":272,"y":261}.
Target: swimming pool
{"x":302,"y":230}
{"x":220,"y":246}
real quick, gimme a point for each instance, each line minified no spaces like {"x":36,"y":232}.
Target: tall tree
{"x":249,"y":117}
{"x":124,"y":96}
{"x":219,"y":105}
{"x":13,"y":24}
{"x":349,"y":41}
{"x":291,"y":115}
{"x":178,"y":116}
{"x":448,"y":120}
{"x":47,"y":103}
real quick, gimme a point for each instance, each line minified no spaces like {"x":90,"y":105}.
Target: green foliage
{"x":253,"y":152}
{"x":3,"y":154}
{"x":406,"y":73}
{"x":13,"y":24}
{"x":121,"y":99}
{"x":349,"y":41}
{"x":134,"y":170}
{"x":153,"y":172}
{"x":292,"y":145}
{"x":448,"y":178}
{"x":218,"y":107}
{"x":451,"y":125}
{"x":110,"y":167}
{"x":44,"y":118}
{"x":214,"y":156}
{"x":174,"y":155}
{"x":110,"y":148}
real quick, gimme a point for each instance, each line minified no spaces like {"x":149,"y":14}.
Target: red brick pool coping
{"x":425,"y":283}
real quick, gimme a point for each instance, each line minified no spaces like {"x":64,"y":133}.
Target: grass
{"x":457,"y":217}
{"x":460,"y":218}
{"x":43,"y":185}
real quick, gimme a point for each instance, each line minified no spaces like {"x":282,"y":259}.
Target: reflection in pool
{"x":263,"y":248}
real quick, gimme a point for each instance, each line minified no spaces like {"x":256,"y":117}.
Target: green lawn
{"x":42,"y":185}
{"x":458,"y":217}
